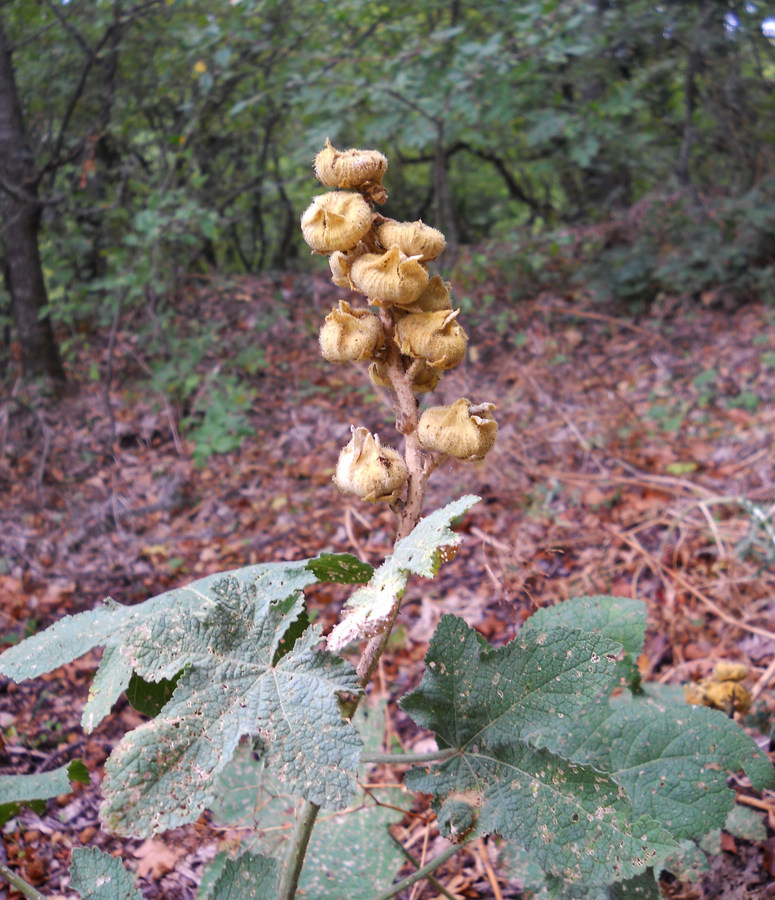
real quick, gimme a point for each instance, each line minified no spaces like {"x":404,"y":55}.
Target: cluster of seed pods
{"x":386,"y":261}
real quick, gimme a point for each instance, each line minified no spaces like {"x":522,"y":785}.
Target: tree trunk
{"x":19,"y":223}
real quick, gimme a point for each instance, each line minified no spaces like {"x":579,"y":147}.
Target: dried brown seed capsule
{"x":726,"y":671}
{"x":349,"y":168}
{"x":435,"y":337}
{"x":412,"y":238}
{"x":336,"y":221}
{"x":424,"y":380}
{"x":369,"y":470}
{"x":435,"y":297}
{"x":350,"y":334}
{"x":463,"y":430}
{"x":389,"y":278}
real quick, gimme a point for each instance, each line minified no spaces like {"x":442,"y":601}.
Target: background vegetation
{"x":628,"y":148}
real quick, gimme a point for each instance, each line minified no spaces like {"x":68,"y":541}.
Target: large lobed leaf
{"x":672,"y":759}
{"x":419,"y":553}
{"x":235,"y":682}
{"x":472,"y":694}
{"x":111,"y":624}
{"x":575,"y":821}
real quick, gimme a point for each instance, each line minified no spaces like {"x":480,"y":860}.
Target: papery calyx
{"x":350,"y":334}
{"x":369,"y":470}
{"x":435,"y":337}
{"x":336,"y":221}
{"x":463,"y":430}
{"x":425,"y":378}
{"x":391,"y":278}
{"x":412,"y":238}
{"x":349,"y":168}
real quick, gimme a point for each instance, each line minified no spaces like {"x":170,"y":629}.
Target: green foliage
{"x":33,"y":790}
{"x":597,"y":785}
{"x":97,"y":875}
{"x":249,"y":798}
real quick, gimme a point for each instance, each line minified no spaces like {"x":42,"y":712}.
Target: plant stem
{"x":421,"y":873}
{"x":297,"y":849}
{"x":17,"y":882}
{"x":398,"y":759}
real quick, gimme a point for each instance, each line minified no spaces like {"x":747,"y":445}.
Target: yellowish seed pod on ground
{"x":350,"y":334}
{"x":723,"y":695}
{"x":390,"y":278}
{"x":435,"y":337}
{"x":726,"y":671}
{"x":349,"y":168}
{"x":435,"y":297}
{"x":412,"y":238}
{"x":336,"y":221}
{"x":463,"y":430}
{"x":424,"y":380}
{"x":369,"y":470}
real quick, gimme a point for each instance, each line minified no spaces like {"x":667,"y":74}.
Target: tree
{"x":20,"y":210}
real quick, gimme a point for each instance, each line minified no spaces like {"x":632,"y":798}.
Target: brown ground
{"x":626,"y":452}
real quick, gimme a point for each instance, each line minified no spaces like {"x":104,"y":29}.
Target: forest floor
{"x":635,"y":457}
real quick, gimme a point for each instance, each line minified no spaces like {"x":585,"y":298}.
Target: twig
{"x":687,"y":585}
{"x":491,"y":877}
{"x":17,"y":882}
{"x":763,"y":682}
{"x":416,"y":863}
{"x":421,"y":873}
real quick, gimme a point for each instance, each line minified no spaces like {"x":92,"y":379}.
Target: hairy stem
{"x":421,"y":873}
{"x":399,"y":759}
{"x":17,"y":882}
{"x":297,"y":849}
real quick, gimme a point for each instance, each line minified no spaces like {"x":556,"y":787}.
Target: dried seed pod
{"x":389,"y":278}
{"x":336,"y":221}
{"x":435,"y":297}
{"x":424,"y":380}
{"x":412,"y":238}
{"x":723,"y":695}
{"x":463,"y":430}
{"x":435,"y":337}
{"x":341,"y":262}
{"x":350,"y":334}
{"x":369,"y":470}
{"x":349,"y":168}
{"x":726,"y":671}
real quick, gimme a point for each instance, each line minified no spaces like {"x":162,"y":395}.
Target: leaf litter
{"x":634,"y":458}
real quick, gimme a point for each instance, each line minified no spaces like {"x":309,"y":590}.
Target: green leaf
{"x":31,"y":790}
{"x":249,"y":877}
{"x":487,"y":703}
{"x":97,"y":875}
{"x":350,"y":854}
{"x":473,"y":694}
{"x":671,"y":758}
{"x":618,"y":618}
{"x":572,"y":819}
{"x":73,"y":636}
{"x":149,"y":697}
{"x":420,"y":553}
{"x":111,"y":624}
{"x":163,"y":773}
{"x":341,"y":568}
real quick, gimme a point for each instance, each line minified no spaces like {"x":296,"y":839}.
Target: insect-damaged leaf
{"x":163,"y":773}
{"x":421,"y":552}
{"x":486,"y":702}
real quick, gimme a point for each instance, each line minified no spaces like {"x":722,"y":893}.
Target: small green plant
{"x":550,"y":741}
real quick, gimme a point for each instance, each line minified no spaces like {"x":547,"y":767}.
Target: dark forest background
{"x":621,"y":150}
